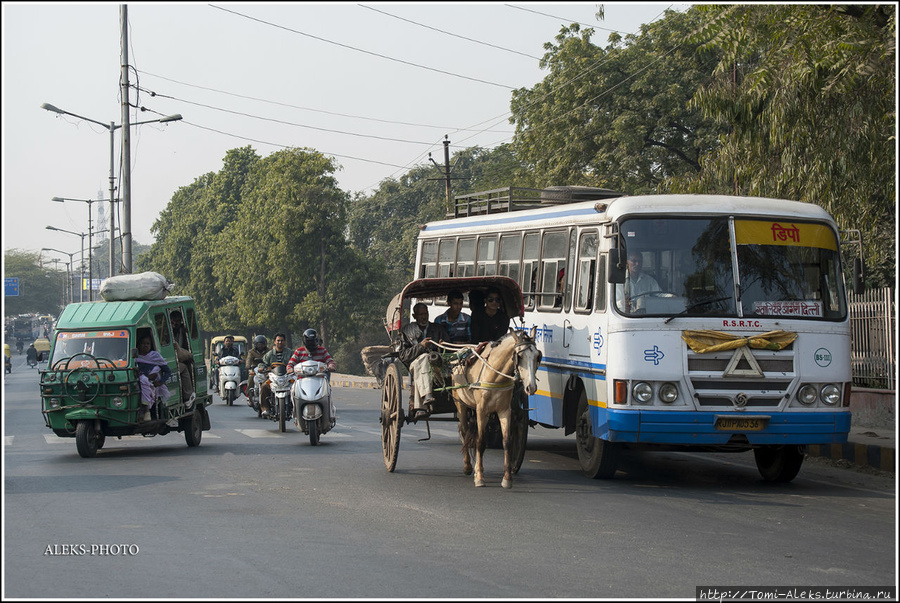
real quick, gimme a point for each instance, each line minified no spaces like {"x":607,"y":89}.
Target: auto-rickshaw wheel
{"x":391,"y":415}
{"x":87,"y":439}
{"x":193,"y":428}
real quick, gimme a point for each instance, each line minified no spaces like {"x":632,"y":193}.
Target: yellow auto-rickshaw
{"x":7,"y":357}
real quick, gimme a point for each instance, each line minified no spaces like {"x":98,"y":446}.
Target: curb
{"x":870,"y":455}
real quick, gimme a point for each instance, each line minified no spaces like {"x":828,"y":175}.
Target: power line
{"x":375,"y":54}
{"x":290,"y":106}
{"x":451,"y":34}
{"x":283,"y":146}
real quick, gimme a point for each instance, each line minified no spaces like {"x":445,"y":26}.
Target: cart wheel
{"x":518,"y":428}
{"x":391,"y":415}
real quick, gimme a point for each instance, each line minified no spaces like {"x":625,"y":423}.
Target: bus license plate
{"x":741,"y":423}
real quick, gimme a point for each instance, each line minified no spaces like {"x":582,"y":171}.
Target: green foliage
{"x":808,"y":95}
{"x":616,"y":117}
{"x":41,"y":289}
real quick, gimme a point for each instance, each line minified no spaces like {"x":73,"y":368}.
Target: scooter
{"x":229,"y":378}
{"x":254,"y":388}
{"x":280,"y":382}
{"x":312,"y":397}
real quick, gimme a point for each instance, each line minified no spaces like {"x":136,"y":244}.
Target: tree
{"x":41,"y":289}
{"x":616,"y":117}
{"x":808,"y":95}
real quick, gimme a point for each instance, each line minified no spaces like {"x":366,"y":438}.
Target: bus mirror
{"x":615,"y":271}
{"x":859,"y":285}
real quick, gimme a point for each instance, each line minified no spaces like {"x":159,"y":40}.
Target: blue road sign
{"x":11,"y":286}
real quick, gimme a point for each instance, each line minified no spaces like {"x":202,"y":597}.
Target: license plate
{"x":741,"y":423}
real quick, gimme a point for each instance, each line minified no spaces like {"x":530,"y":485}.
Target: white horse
{"x":491,"y":379}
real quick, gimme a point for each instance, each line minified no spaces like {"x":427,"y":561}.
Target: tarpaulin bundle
{"x":707,"y":341}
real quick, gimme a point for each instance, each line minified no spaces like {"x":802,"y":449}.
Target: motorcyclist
{"x":19,"y":345}
{"x":227,"y":350}
{"x":257,"y":352}
{"x":278,"y":353}
{"x":255,"y":358}
{"x":31,"y":355}
{"x":311,"y":350}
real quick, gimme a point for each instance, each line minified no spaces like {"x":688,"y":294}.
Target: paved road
{"x":254,"y":513}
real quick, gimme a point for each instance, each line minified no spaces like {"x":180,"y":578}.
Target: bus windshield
{"x":687,"y":267}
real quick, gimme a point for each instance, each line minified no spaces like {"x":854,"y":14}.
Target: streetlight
{"x":126,"y":205}
{"x":82,"y":235}
{"x":56,"y":262}
{"x":68,"y":275}
{"x":90,"y":230}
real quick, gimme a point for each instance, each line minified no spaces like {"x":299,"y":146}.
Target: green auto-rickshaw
{"x":91,"y":388}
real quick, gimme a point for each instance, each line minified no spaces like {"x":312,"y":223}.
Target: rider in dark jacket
{"x":31,"y":355}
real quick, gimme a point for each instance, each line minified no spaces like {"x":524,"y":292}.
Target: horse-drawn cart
{"x":492,"y":375}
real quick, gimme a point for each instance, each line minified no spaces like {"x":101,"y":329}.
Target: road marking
{"x":259,"y":433}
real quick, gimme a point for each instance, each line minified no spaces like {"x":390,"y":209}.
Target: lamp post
{"x":82,"y":235}
{"x":126,"y":206}
{"x":90,"y":230}
{"x":69,"y":295}
{"x":56,"y":262}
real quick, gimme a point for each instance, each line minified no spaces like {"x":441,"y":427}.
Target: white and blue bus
{"x":735,"y":337}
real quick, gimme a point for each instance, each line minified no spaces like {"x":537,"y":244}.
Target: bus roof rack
{"x":513,"y":198}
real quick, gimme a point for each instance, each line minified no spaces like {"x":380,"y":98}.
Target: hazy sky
{"x":375,"y":85}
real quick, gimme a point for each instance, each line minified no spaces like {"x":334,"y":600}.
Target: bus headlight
{"x":807,"y":395}
{"x":668,"y":393}
{"x":831,"y":395}
{"x":118,"y":402}
{"x":642,"y":392}
{"x":54,"y":402}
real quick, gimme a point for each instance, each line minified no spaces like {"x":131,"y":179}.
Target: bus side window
{"x":529,"y":269}
{"x":600,"y":298}
{"x":162,"y":329}
{"x":587,"y":269}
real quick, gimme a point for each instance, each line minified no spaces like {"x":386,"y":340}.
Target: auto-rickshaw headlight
{"x":54,"y":402}
{"x":118,"y":401}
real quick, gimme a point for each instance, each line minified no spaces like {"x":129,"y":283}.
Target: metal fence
{"x":873,"y":318}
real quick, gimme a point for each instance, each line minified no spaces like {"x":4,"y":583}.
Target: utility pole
{"x":126,"y":146}
{"x":447,"y":170}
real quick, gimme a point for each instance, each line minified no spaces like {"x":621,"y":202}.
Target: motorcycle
{"x":311,"y":394}
{"x":280,"y":382}
{"x":254,"y":388}
{"x":229,"y":378}
{"x":20,"y":345}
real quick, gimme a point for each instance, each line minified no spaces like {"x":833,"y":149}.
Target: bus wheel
{"x":598,"y":457}
{"x":779,"y":463}
{"x":87,"y":439}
